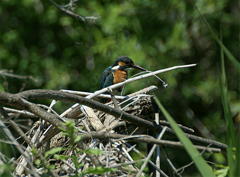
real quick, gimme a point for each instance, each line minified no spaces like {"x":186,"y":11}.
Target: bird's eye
{"x":128,"y":62}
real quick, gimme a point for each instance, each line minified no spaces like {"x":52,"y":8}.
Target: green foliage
{"x":60,"y":157}
{"x":233,"y":148}
{"x":53,"y":151}
{"x":94,"y":151}
{"x":71,"y":132}
{"x":222,"y":171}
{"x":224,"y":49}
{"x":75,"y":159}
{"x":75,"y":162}
{"x":97,"y":171}
{"x":6,"y":169}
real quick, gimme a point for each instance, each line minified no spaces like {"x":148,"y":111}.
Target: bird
{"x":117,"y":72}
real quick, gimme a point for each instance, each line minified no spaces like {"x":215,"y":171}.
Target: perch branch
{"x":81,"y":93}
{"x":125,"y":82}
{"x":58,"y":95}
{"x":142,"y":138}
{"x":138,"y":78}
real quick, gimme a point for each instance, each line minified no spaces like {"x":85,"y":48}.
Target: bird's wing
{"x":106,"y":78}
{"x":109,"y":80}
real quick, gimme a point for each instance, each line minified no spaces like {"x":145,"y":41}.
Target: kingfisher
{"x":118,"y":72}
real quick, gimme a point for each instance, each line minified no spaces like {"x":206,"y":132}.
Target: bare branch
{"x":151,"y":152}
{"x":142,"y":138}
{"x":16,"y":101}
{"x":19,"y":112}
{"x":128,"y":81}
{"x":89,"y":19}
{"x":16,"y":76}
{"x":19,"y":147}
{"x":81,"y":93}
{"x":28,"y":141}
{"x":138,"y":78}
{"x":58,"y":95}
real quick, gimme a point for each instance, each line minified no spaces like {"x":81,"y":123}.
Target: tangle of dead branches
{"x":100,"y":137}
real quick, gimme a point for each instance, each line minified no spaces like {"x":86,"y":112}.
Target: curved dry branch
{"x":138,"y":78}
{"x":63,"y":96}
{"x":125,"y":82}
{"x":59,"y":95}
{"x":142,"y":138}
{"x":17,"y":100}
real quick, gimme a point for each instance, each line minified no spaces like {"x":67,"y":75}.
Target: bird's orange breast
{"x":119,"y":76}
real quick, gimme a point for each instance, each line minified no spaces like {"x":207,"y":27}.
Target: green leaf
{"x":34,"y":151}
{"x":37,"y":162}
{"x":71,"y":132}
{"x":77,"y":138}
{"x":94,"y":151}
{"x":223,"y":172}
{"x":98,"y":170}
{"x":51,"y":167}
{"x":231,"y":137}
{"x":61,"y":157}
{"x":75,"y":162}
{"x":6,"y":169}
{"x":201,"y":164}
{"x":53,"y":151}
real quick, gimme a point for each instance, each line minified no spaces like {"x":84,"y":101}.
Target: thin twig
{"x":158,"y":148}
{"x":18,"y":146}
{"x":81,"y":93}
{"x":58,"y":95}
{"x":141,"y":138}
{"x":181,"y":169}
{"x":151,"y":153}
{"x":138,"y":78}
{"x":127,"y":81}
{"x":17,"y":100}
{"x":8,"y":99}
{"x":89,"y":19}
{"x":16,"y":76}
{"x":20,"y":112}
{"x":127,"y":163}
{"x":159,"y":170}
{"x":28,"y":141}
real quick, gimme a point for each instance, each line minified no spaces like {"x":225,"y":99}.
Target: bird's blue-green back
{"x":106,"y":78}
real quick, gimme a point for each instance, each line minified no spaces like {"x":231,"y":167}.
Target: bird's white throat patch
{"x":115,"y":67}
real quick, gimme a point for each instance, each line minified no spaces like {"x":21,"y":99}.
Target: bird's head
{"x":125,"y":63}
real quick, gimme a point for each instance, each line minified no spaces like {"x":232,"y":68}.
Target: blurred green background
{"x":61,"y":52}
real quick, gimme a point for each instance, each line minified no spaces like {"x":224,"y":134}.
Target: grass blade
{"x":231,"y":138}
{"x":229,"y":55}
{"x":201,"y":164}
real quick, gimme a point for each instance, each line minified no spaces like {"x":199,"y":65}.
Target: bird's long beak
{"x":138,"y":67}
